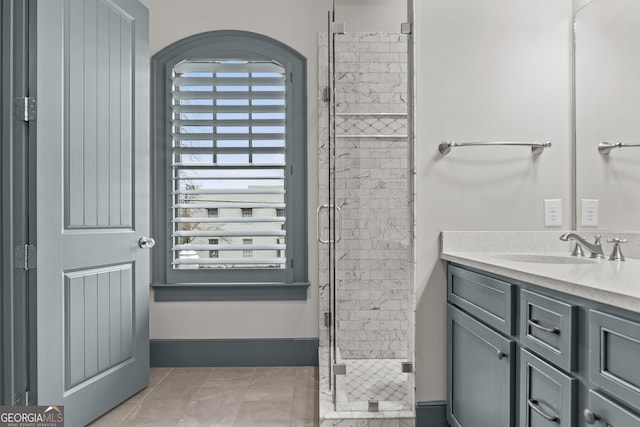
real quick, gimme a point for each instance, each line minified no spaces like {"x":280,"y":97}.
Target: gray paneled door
{"x":92,"y":204}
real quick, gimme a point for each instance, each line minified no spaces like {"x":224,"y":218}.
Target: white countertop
{"x":615,"y":283}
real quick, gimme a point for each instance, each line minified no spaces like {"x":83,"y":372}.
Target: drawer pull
{"x":533,"y":404}
{"x":589,"y":416}
{"x":501,"y":355}
{"x":535,"y":324}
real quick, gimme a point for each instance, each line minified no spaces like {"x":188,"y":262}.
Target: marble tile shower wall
{"x":374,"y":293}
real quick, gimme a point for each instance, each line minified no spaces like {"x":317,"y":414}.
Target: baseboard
{"x":431,"y":414}
{"x":234,"y":352}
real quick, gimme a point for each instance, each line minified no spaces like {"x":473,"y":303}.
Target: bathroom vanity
{"x":542,"y":339}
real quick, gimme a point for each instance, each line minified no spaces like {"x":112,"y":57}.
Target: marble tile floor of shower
{"x":224,"y":397}
{"x":367,"y":380}
{"x":370,"y":379}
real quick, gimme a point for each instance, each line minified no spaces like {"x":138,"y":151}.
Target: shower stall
{"x":365,"y":218}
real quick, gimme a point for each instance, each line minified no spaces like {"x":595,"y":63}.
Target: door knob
{"x":146,"y":242}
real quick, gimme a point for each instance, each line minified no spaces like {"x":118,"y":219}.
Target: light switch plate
{"x":553,"y":212}
{"x":589,"y":213}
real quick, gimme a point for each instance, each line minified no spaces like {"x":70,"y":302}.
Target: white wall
{"x":485,"y":71}
{"x":296,"y":23}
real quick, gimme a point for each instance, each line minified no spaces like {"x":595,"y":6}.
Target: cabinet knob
{"x":501,"y":355}
{"x":589,"y":416}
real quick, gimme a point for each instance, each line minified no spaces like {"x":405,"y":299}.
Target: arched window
{"x":228,"y":137}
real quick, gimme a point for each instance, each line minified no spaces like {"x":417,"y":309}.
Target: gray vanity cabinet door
{"x":547,"y":395}
{"x":480,"y":374}
{"x":606,"y":413}
{"x":615,"y":356}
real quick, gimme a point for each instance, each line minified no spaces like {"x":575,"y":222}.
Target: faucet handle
{"x":617,"y":240}
{"x":616,"y":253}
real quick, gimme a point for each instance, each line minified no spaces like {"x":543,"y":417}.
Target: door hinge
{"x":338,"y":27}
{"x":326,"y":94}
{"x":25,"y":257}
{"x":327,"y":319}
{"x":24,"y":398}
{"x":19,"y":398}
{"x":407,"y":368}
{"x":340,"y":369}
{"x":24,"y":109}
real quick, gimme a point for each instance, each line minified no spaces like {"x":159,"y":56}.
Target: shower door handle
{"x":338,"y":218}
{"x":339,"y":221}
{"x":319,"y":227}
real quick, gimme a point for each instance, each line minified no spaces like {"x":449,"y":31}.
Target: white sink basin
{"x":545,"y":259}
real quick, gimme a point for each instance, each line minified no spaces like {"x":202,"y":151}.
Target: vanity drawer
{"x":615,"y":352}
{"x":547,"y":395}
{"x":548,"y":327}
{"x":606,"y":413}
{"x":486,"y":298}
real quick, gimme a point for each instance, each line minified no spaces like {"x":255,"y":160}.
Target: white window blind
{"x":228,"y":157}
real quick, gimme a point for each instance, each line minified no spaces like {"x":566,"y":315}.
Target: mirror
{"x":607,"y":109}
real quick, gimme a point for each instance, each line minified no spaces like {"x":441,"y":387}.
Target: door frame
{"x":17,"y":372}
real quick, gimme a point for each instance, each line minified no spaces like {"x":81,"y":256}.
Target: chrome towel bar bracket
{"x":536,"y":147}
{"x":605,"y":148}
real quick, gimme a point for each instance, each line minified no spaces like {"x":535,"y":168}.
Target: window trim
{"x":291,"y":283}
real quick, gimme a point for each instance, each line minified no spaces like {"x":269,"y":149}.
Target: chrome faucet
{"x":595,"y":248}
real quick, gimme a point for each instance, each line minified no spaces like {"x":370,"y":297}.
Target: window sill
{"x":230,"y":291}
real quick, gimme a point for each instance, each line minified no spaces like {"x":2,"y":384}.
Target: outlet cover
{"x":553,"y":212}
{"x":589,"y":213}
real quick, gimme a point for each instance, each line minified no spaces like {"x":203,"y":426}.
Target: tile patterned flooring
{"x":222,"y":397}
{"x":377,"y":379}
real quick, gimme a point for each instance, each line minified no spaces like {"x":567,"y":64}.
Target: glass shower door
{"x":370,"y":222}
